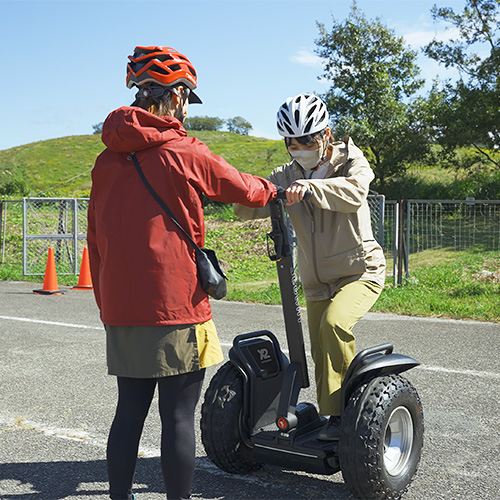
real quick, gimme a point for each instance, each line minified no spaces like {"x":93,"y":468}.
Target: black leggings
{"x":178,"y":396}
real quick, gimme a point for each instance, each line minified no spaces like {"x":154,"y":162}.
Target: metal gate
{"x":376,"y":202}
{"x":60,"y":223}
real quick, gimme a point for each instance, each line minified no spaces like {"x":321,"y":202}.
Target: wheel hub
{"x":398,"y":441}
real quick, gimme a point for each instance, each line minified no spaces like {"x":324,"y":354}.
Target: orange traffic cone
{"x":84,"y":280}
{"x":50,"y":286}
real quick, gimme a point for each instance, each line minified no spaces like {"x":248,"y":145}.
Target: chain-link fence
{"x":456,"y":225}
{"x":11,"y":231}
{"x":405,"y":229}
{"x":376,"y":202}
{"x":60,"y":223}
{"x":29,"y":227}
{"x":444,"y":226}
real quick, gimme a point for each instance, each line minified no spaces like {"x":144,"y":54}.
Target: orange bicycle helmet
{"x":164,"y":66}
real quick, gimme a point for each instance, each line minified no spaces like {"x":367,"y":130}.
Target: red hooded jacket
{"x":143,"y":267}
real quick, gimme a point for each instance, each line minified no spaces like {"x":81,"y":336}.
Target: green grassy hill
{"x":47,"y":165}
{"x":61,"y":167}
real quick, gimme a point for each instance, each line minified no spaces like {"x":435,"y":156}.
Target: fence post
{"x":2,"y":230}
{"x":25,"y":263}
{"x":75,"y":240}
{"x":401,"y":240}
{"x":395,"y":247}
{"x":2,"y":235}
{"x":406,"y":247}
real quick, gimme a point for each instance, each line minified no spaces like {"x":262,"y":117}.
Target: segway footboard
{"x":298,"y":448}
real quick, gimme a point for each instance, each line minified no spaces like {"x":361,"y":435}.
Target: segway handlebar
{"x":282,"y":255}
{"x":281,"y":194}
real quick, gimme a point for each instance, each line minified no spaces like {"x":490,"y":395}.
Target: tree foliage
{"x":203,"y":123}
{"x":373,"y":77}
{"x":14,"y":187}
{"x":97,"y":128}
{"x":467,"y":112}
{"x":238,"y":125}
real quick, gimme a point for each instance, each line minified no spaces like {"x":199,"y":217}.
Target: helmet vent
{"x":311,"y":111}
{"x":290,"y":131}
{"x":160,"y":70}
{"x":297,"y":117}
{"x":308,"y":126}
{"x":285,"y":117}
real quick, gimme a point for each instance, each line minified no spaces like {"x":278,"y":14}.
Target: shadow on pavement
{"x":87,"y":479}
{"x":57,"y":480}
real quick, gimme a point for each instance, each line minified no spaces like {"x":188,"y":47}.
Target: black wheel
{"x":382,"y":438}
{"x":220,"y":423}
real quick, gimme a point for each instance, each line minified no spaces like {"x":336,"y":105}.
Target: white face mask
{"x":308,"y":159}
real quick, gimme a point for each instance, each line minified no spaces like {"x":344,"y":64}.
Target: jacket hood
{"x":130,"y":129}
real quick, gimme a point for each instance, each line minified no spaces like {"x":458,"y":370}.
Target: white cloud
{"x":307,"y":58}
{"x":417,"y":39}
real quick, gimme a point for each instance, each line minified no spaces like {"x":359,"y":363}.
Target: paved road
{"x":57,"y":402}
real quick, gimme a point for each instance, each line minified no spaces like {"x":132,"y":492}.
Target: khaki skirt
{"x":161,"y":351}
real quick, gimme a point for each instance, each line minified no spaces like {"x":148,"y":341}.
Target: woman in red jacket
{"x":157,"y":317}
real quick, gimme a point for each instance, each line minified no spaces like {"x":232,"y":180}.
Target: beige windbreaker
{"x":334,"y":235}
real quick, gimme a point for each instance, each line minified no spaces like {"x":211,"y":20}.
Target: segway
{"x":251,"y":414}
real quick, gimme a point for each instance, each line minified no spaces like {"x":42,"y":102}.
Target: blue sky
{"x":65,"y":61}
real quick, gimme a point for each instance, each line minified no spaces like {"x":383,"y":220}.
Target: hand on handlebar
{"x":296,"y":193}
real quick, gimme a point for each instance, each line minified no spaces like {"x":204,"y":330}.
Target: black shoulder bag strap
{"x":159,"y":200}
{"x":210,"y":273}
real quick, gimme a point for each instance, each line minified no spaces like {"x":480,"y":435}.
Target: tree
{"x":373,"y":76}
{"x":238,"y":125}
{"x":203,"y":123}
{"x":468,"y":113}
{"x":97,"y":128}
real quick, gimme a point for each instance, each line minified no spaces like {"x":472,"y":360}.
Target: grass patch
{"x":45,"y":164}
{"x":253,"y":155}
{"x":459,"y":285}
{"x":242,"y":249}
{"x":14,"y":272}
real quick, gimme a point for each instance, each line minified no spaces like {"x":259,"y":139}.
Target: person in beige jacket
{"x":341,"y":265}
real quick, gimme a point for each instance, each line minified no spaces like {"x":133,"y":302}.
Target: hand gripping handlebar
{"x":281,"y":194}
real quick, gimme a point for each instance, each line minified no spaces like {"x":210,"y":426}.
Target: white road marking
{"x":55,"y":323}
{"x":472,"y":373}
{"x":65,"y":433}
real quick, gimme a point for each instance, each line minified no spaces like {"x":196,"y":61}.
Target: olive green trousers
{"x":333,"y":345}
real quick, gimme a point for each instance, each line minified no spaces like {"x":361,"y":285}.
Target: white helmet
{"x":302,"y":115}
